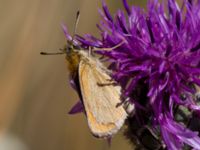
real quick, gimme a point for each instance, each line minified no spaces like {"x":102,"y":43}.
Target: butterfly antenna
{"x":76,"y":24}
{"x":70,"y":42}
{"x":56,"y":53}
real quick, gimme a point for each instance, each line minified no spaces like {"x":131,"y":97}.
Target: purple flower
{"x":157,"y":65}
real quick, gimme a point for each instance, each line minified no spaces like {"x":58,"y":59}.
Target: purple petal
{"x":126,"y":6}
{"x":67,"y":35}
{"x":77,"y":108}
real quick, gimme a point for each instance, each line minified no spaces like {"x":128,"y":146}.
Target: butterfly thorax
{"x":73,"y":59}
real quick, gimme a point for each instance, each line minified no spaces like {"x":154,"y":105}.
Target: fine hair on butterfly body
{"x":104,"y":117}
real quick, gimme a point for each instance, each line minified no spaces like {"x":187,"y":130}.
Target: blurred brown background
{"x":35,"y":95}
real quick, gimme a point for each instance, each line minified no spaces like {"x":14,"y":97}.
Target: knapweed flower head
{"x":157,"y":63}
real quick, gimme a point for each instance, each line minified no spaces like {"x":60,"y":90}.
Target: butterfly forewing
{"x":100,"y":102}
